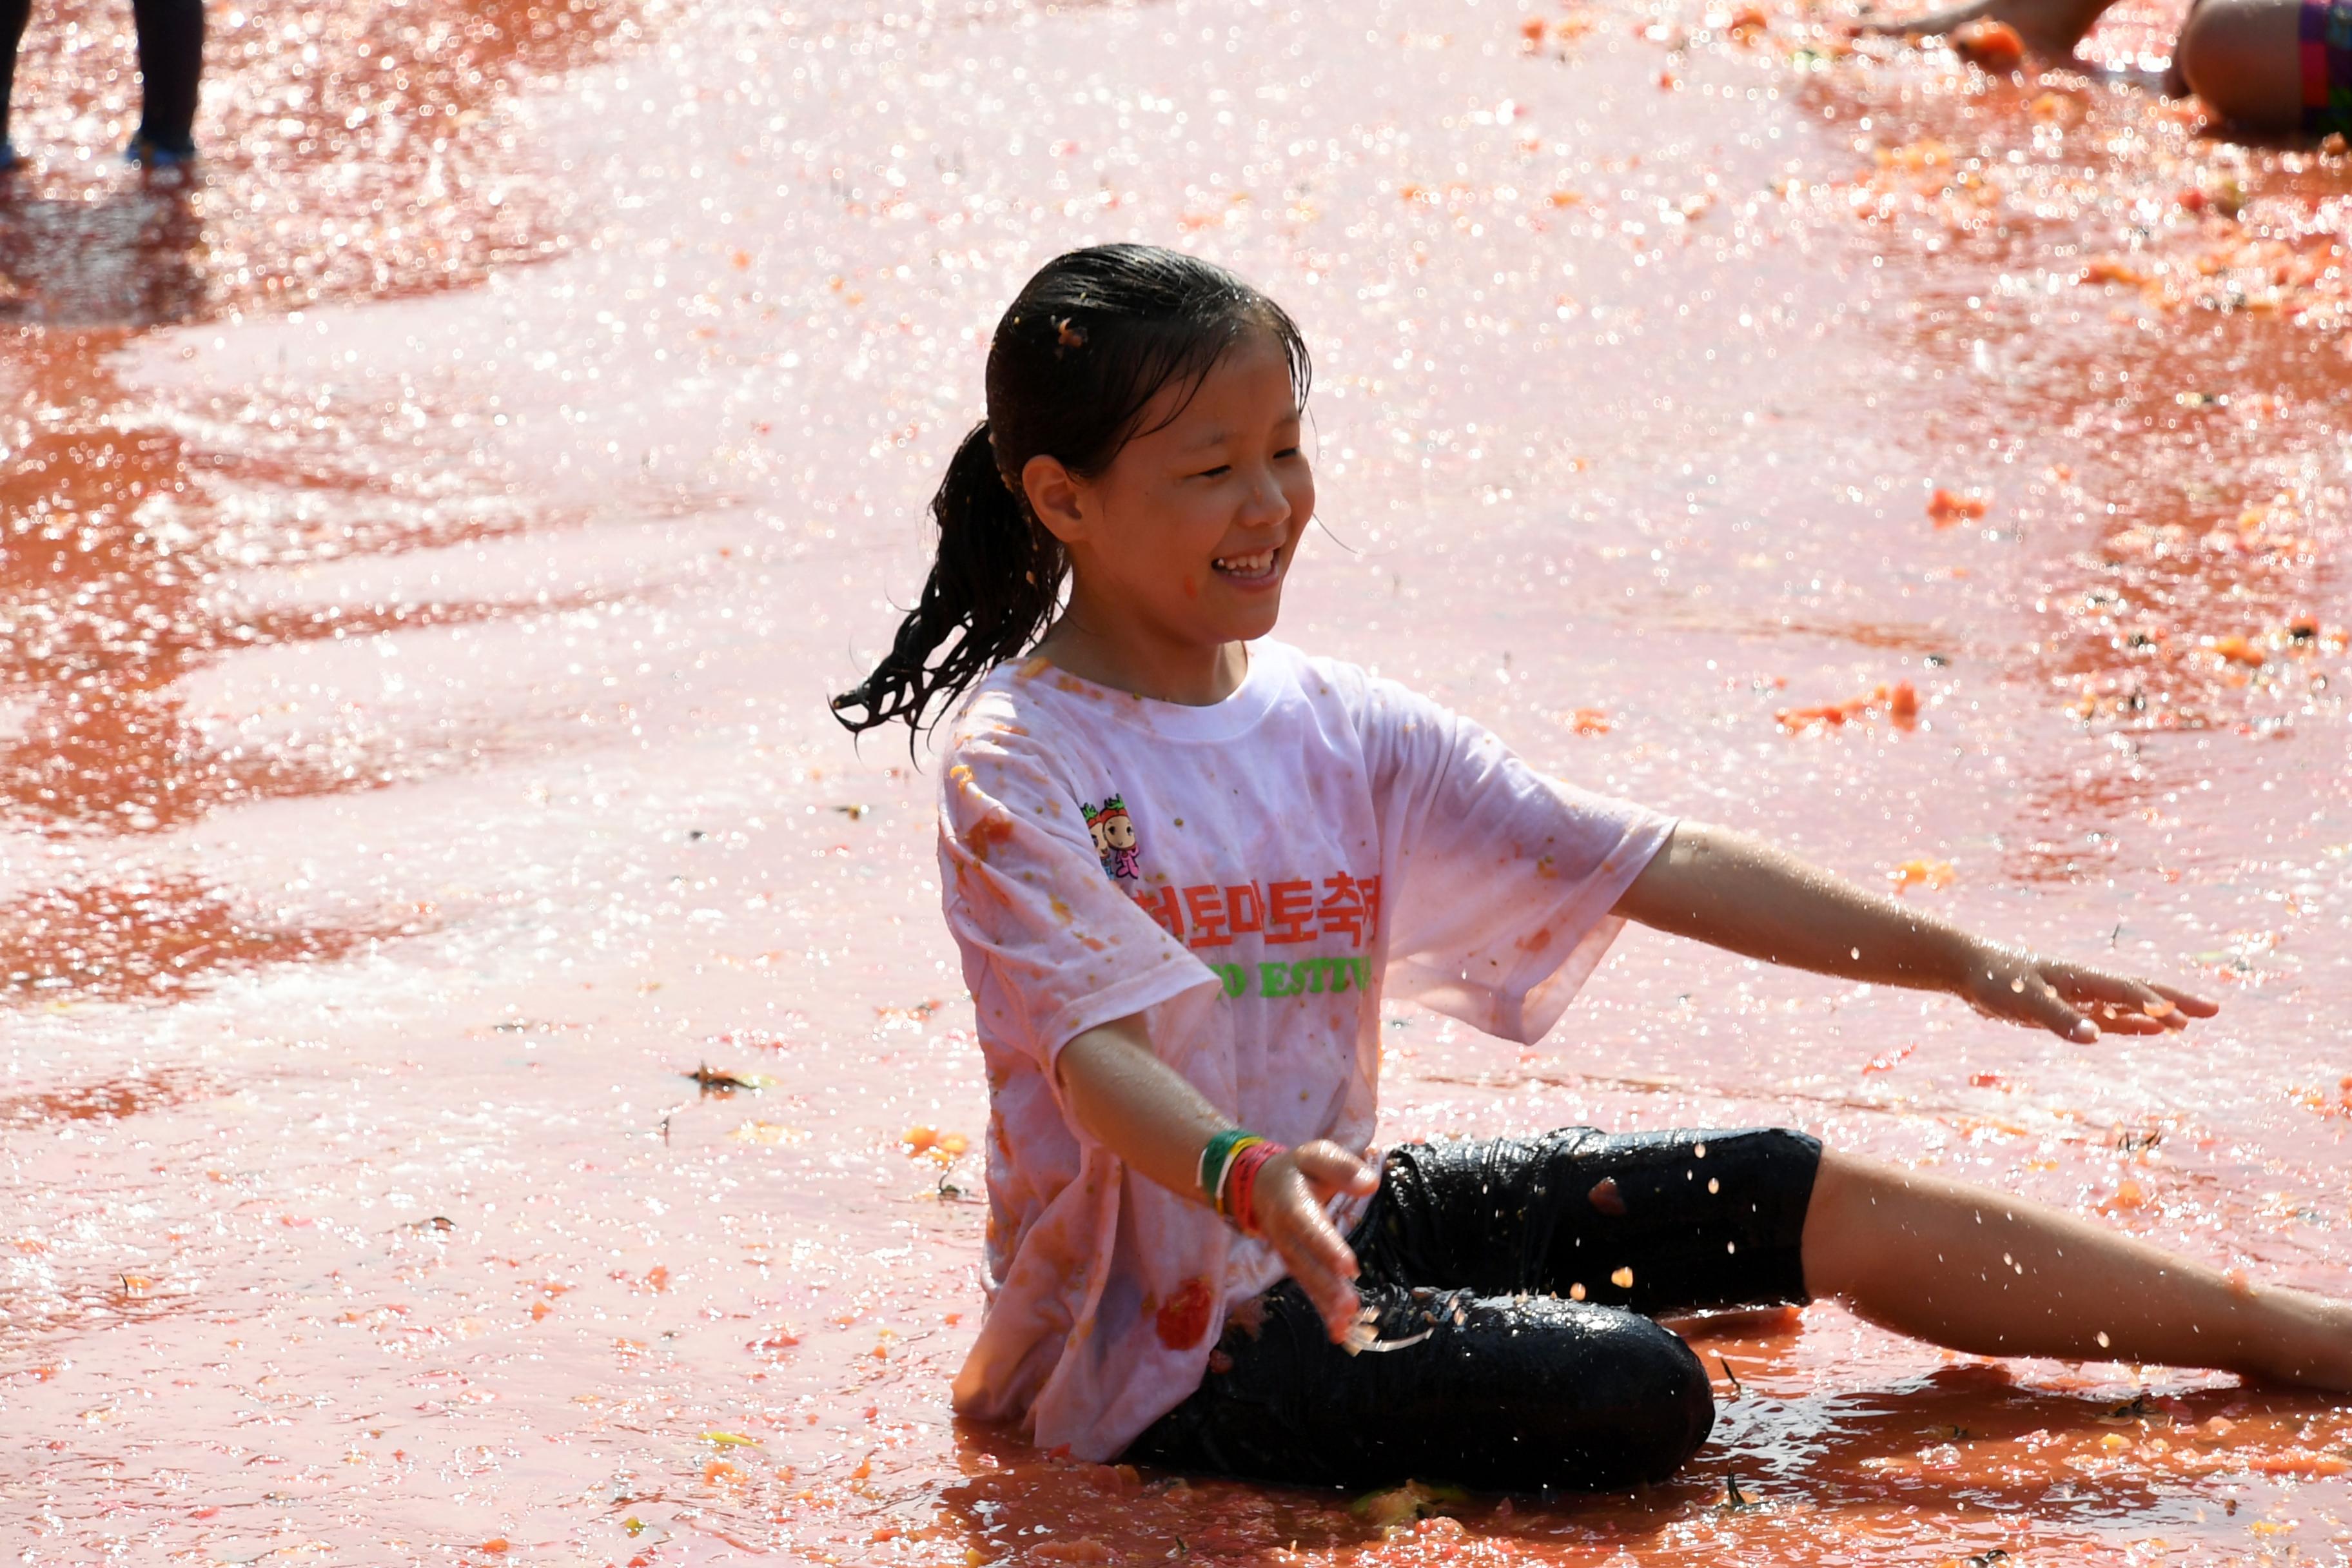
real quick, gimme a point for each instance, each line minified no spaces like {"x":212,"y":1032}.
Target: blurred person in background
{"x":2263,"y":65}
{"x":171,"y":59}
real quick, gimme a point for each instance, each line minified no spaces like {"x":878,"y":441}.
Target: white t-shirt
{"x":1250,"y":876}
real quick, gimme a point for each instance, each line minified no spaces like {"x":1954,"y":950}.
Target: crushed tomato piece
{"x":1990,"y":46}
{"x":1899,"y":702}
{"x":1184,"y":1318}
{"x":1932,"y":875}
{"x":1947,"y":508}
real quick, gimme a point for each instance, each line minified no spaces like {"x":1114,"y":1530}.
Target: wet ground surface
{"x":428,"y":544}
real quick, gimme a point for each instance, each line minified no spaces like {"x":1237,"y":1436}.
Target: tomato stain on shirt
{"x":1183,"y":1321}
{"x":988,"y":835}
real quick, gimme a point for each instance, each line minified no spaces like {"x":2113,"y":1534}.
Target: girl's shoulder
{"x":1002,"y":711}
{"x":1371,"y":700}
{"x":1320,"y":677}
{"x":1028,"y":726}
{"x":1021,"y":698}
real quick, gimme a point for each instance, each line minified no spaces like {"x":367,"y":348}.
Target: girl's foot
{"x":2051,"y":29}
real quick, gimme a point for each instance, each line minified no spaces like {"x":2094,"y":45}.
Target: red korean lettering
{"x":1290,"y":911}
{"x":1206,"y":906}
{"x":1160,"y":904}
{"x":1351,"y":909}
{"x":1245,"y":909}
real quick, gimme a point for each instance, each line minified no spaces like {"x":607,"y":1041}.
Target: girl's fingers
{"x":2189,"y":1001}
{"x":1320,"y":1258}
{"x":2078,"y":1002}
{"x":2033,"y":1000}
{"x":1331,"y":1170}
{"x":2137,"y":1011}
{"x":2097,"y":985}
{"x":1291,"y":1217}
{"x":1333,"y":1293}
{"x":2150,"y":1007}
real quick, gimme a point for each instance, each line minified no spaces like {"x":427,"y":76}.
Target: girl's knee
{"x":1677,"y":1406}
{"x":1644,"y":1403}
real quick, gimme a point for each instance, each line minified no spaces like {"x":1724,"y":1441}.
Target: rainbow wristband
{"x":1217,"y":1162}
{"x":1241,"y":1184}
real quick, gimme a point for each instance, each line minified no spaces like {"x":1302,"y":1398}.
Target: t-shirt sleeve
{"x":1502,"y":879}
{"x":1046,"y":937}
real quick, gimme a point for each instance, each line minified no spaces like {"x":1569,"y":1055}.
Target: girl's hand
{"x":2074,"y":1001}
{"x":1288,"y":1208}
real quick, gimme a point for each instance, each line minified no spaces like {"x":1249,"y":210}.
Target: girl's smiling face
{"x":1179,"y":547}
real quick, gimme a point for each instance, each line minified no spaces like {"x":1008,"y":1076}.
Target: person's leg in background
{"x":2244,"y":58}
{"x":13,"y":16}
{"x":171,"y":61}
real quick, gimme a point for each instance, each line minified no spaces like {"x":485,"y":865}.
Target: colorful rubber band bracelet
{"x":1224,"y":1199}
{"x":1241,"y":1184}
{"x":1220,"y":1198}
{"x":1217,"y":1157}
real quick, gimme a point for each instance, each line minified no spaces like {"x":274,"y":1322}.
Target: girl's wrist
{"x":1242,"y":1186}
{"x":1973,"y":958}
{"x":1216,"y":1163}
{"x":1228,"y":1170}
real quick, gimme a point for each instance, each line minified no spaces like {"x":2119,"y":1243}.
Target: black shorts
{"x":1534,"y":1266}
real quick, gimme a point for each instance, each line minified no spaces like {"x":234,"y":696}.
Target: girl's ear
{"x":1055,"y":496}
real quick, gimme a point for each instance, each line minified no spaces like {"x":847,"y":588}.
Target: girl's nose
{"x":1268,"y":506}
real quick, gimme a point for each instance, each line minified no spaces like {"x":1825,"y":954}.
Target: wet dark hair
{"x":1078,"y":358}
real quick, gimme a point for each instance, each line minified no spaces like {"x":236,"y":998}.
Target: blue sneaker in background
{"x":147,"y":153}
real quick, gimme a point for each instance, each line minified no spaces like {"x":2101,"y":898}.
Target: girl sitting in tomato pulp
{"x":1193,"y":1258}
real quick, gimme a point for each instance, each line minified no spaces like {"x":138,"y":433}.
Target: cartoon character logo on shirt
{"x":1114,"y":832}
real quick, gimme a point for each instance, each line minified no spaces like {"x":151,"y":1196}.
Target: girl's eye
{"x":1219,"y":472}
{"x":1287,"y":452}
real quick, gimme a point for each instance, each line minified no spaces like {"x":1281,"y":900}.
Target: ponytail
{"x":1072,"y":370}
{"x":992,"y":587}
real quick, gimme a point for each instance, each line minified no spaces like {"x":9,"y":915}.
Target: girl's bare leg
{"x":2243,"y":58}
{"x":1991,"y":1275}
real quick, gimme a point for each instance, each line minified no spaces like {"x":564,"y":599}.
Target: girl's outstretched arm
{"x":1123,"y":1095}
{"x":1740,"y":893}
